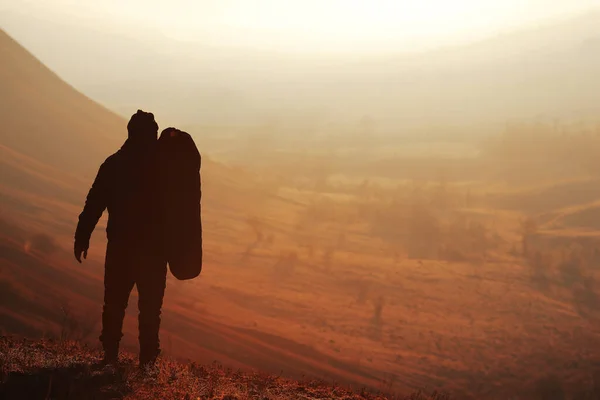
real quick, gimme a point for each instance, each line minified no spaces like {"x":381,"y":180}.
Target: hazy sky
{"x":308,"y":25}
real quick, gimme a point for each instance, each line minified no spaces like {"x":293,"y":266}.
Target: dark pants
{"x":125,"y":267}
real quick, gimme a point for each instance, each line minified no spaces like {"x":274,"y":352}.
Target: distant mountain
{"x":551,"y":70}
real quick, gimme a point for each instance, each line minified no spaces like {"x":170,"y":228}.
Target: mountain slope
{"x":44,"y":118}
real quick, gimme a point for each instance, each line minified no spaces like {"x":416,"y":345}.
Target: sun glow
{"x":318,"y":25}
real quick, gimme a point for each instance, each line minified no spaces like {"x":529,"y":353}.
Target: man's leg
{"x":118,"y":282}
{"x":151,"y":283}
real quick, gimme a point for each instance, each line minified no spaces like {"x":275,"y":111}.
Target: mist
{"x":411,"y":217}
{"x":548,"y":70}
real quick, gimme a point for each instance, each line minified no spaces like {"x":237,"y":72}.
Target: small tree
{"x":529,"y":227}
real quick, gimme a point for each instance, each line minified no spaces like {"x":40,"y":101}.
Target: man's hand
{"x":79,"y":250}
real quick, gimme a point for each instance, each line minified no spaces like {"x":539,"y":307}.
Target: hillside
{"x":46,"y":119}
{"x":63,"y":370}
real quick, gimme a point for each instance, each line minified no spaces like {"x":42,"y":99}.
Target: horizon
{"x":126,"y":62}
{"x":233,"y":27}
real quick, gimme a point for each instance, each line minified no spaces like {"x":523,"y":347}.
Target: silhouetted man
{"x":127,"y":186}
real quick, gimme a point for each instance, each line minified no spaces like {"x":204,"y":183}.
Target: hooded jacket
{"x":127,"y":186}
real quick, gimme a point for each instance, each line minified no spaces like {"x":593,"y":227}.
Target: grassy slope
{"x":66,"y":370}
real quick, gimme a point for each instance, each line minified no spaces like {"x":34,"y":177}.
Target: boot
{"x":111,"y":355}
{"x":148,"y":359}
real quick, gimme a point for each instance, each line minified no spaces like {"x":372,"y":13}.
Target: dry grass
{"x":68,"y":370}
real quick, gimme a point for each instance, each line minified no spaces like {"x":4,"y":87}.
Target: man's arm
{"x":95,"y":204}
